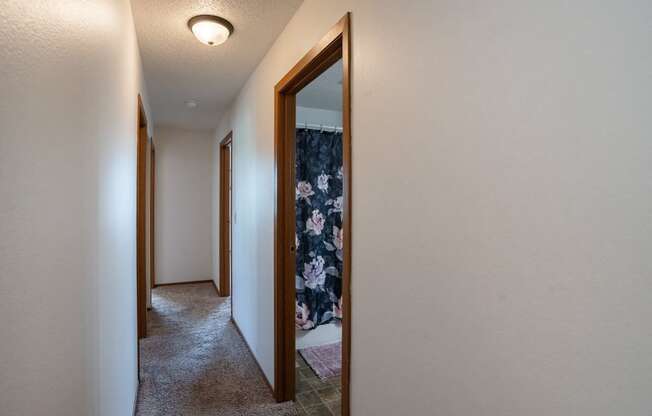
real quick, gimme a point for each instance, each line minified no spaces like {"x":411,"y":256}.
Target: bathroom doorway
{"x":313,"y":227}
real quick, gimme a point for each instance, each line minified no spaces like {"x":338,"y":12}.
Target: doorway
{"x":152,"y":219}
{"x":141,"y":221}
{"x":144,"y":224}
{"x":333,"y":47}
{"x":226,"y":208}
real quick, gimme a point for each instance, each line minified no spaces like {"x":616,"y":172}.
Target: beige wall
{"x":69,"y":82}
{"x":502,"y":204}
{"x":184,"y":170}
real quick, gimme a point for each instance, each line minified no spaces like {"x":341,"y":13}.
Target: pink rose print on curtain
{"x":319,"y":205}
{"x":315,"y":223}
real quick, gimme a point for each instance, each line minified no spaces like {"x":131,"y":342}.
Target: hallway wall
{"x":184,"y":164}
{"x":502,"y":204}
{"x":69,"y":82}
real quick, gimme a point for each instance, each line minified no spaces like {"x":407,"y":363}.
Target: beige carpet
{"x":194,"y":362}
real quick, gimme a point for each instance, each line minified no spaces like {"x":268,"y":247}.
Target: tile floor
{"x":315,"y":396}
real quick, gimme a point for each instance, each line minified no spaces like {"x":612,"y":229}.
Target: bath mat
{"x":324,"y":360}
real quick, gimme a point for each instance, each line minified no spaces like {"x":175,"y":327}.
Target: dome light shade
{"x":210,"y":30}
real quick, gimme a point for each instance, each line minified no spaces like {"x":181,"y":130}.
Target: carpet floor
{"x":194,"y":361}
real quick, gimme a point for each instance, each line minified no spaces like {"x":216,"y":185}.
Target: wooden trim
{"x":152,"y":216}
{"x":226,"y":182}
{"x":262,"y":373}
{"x":141,"y":180}
{"x":141,"y":218}
{"x":307,"y":68}
{"x":335,"y":45}
{"x":347,"y":225}
{"x":217,"y":289}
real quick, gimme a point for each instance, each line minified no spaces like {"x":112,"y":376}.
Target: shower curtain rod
{"x":320,"y":127}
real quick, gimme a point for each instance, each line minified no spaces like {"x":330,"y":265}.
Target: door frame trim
{"x":141,"y":218}
{"x":334,"y":45}
{"x":224,"y":287}
{"x":152,"y":216}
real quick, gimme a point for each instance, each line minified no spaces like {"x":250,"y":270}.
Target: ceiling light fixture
{"x":191,"y":103}
{"x":210,"y":30}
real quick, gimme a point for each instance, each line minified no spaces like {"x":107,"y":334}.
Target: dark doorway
{"x":141,"y":221}
{"x":226,"y":209}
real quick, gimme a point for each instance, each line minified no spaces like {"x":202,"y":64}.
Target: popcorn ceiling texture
{"x":178,"y":68}
{"x":194,"y":362}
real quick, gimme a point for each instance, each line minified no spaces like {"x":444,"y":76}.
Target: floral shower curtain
{"x":318,"y":227}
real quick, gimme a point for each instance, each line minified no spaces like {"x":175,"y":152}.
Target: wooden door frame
{"x":225,"y":281}
{"x":152,"y":222}
{"x":335,"y":45}
{"x":141,"y":218}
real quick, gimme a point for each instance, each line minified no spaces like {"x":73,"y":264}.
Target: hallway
{"x":194,"y":361}
{"x":425,"y":207}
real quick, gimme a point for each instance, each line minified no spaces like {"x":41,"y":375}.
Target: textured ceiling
{"x":177,"y":67}
{"x":325,"y":91}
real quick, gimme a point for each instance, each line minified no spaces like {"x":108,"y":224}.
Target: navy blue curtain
{"x":319,"y":204}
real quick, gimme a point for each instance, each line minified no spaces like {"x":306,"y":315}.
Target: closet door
{"x":229,"y":210}
{"x":226,"y":210}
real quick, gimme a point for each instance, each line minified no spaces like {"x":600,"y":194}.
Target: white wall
{"x":502,"y":204}
{"x":184,"y":174}
{"x":318,"y":116}
{"x":69,"y":77}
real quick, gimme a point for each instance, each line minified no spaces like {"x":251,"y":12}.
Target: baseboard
{"x":216,"y":288}
{"x":135,"y":407}
{"x":188,"y":283}
{"x":262,"y":373}
{"x":185,"y":283}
